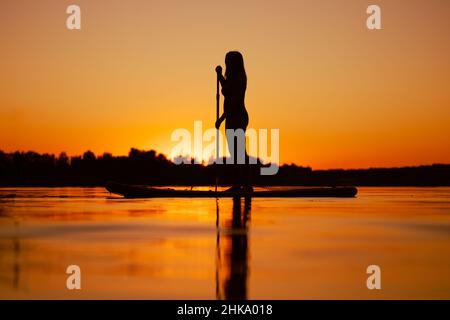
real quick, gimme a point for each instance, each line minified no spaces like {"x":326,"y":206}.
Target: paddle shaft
{"x":217,"y":130}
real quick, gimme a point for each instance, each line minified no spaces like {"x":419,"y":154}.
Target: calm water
{"x":208,"y":249}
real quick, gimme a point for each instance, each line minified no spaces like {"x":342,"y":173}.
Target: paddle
{"x":217,"y":130}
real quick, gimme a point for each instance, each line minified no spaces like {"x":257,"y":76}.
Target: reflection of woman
{"x":235,"y":115}
{"x":232,"y":250}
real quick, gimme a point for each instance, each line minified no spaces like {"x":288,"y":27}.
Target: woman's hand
{"x":218,"y":123}
{"x":219,"y":70}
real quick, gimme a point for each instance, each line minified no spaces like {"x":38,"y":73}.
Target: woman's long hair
{"x":235,"y":69}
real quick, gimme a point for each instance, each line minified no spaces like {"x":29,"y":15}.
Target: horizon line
{"x":206,"y":164}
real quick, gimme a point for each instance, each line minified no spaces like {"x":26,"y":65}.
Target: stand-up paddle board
{"x":132,"y":191}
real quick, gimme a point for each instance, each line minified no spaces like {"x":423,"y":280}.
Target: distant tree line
{"x":152,"y":168}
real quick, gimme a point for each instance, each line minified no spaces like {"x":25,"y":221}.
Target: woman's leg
{"x":232,"y":142}
{"x":247,"y":174}
{"x":237,"y":148}
{"x":246,"y":170}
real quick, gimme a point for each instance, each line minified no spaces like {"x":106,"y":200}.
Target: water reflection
{"x":160,"y":249}
{"x":232,"y":249}
{"x":15,"y":262}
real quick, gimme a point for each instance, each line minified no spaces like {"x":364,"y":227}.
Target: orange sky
{"x":341,"y":95}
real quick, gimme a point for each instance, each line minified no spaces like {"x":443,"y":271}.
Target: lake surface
{"x":209,"y":249}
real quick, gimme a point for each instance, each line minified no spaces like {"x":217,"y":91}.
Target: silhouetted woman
{"x":235,"y":115}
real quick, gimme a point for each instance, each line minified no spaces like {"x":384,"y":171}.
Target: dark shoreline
{"x":30,"y":169}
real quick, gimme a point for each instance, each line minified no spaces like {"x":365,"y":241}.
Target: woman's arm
{"x":222,"y":80}
{"x":223,"y":84}
{"x":220,"y":120}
